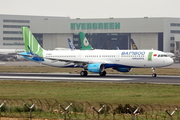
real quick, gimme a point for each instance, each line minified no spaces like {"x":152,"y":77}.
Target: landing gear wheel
{"x":86,"y":73}
{"x":153,"y":72}
{"x":154,"y":75}
{"x":102,"y":73}
{"x":83,"y":73}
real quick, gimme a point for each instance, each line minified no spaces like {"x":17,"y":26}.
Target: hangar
{"x":105,"y":33}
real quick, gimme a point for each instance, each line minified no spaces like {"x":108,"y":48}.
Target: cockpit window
{"x":162,"y":55}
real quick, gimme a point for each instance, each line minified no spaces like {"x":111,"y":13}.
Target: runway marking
{"x":65,"y":78}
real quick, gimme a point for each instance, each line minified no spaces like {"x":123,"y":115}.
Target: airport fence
{"x":51,"y":109}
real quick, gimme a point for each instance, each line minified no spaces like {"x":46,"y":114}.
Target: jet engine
{"x":95,"y":67}
{"x":123,"y":69}
{"x":18,"y":57}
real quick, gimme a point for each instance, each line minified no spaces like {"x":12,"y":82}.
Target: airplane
{"x":134,"y":46}
{"x":71,"y":45}
{"x":10,"y":53}
{"x":84,"y":42}
{"x":95,"y":61}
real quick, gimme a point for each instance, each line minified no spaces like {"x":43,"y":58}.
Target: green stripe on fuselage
{"x":150,"y":56}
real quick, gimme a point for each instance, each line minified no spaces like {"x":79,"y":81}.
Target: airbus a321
{"x":95,"y":61}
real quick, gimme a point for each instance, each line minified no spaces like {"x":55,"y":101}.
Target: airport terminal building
{"x":107,"y":33}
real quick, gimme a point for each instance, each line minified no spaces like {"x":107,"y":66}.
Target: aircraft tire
{"x":102,"y":73}
{"x":83,"y":73}
{"x":154,"y":75}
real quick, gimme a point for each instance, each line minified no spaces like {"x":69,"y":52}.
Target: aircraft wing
{"x":78,"y":61}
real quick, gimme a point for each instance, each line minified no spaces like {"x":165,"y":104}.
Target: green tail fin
{"x":84,"y":42}
{"x":30,"y":42}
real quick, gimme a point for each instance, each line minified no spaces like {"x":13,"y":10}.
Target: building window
{"x":15,"y":26}
{"x":12,"y":38}
{"x":75,"y":39}
{"x":175,"y":31}
{"x":171,"y":38}
{"x":175,"y":24}
{"x":12,"y":32}
{"x":14,"y":44}
{"x":172,"y":45}
{"x":16,"y":21}
{"x":113,"y":38}
{"x":172,"y":51}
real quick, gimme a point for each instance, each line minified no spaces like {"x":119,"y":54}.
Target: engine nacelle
{"x":95,"y":67}
{"x":18,"y":57}
{"x":123,"y":69}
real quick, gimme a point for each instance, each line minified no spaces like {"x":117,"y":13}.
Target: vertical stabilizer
{"x":71,"y":45}
{"x":134,"y":46}
{"x":30,"y":42}
{"x":84,"y":42}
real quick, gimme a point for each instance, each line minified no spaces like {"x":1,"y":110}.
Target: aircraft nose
{"x":170,"y":61}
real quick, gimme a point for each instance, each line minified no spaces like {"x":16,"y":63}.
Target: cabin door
{"x":117,"y":58}
{"x":79,"y":56}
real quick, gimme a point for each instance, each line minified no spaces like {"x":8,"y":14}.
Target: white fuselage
{"x":112,"y":58}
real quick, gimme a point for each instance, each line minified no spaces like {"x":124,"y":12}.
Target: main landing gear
{"x":153,"y":72}
{"x":100,"y":69}
{"x":103,"y":73}
{"x":83,"y":73}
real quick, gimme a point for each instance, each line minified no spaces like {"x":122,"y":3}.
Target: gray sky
{"x":92,"y":8}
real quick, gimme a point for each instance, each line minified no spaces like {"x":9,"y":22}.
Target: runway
{"x":160,"y":79}
{"x":30,"y":63}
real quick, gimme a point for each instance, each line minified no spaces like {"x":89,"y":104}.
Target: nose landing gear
{"x":153,"y":72}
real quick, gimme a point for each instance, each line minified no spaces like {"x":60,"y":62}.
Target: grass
{"x":121,"y":93}
{"x":92,"y":92}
